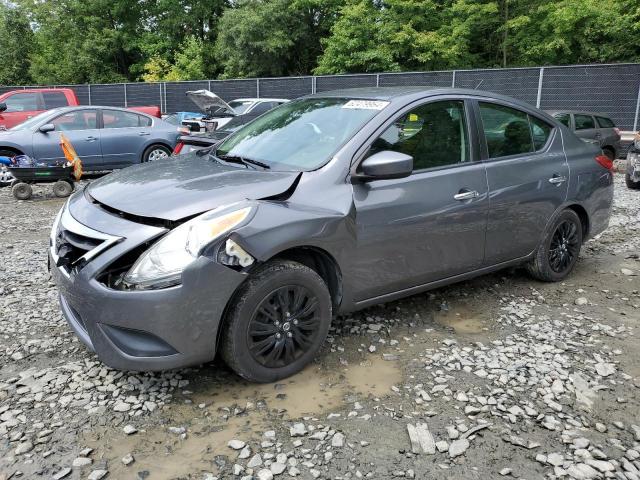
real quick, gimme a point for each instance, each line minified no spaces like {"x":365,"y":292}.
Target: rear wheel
{"x":22,"y":191}
{"x":62,"y":188}
{"x":558,"y":253}
{"x":630,"y":183}
{"x":155,"y":153}
{"x":277,"y":322}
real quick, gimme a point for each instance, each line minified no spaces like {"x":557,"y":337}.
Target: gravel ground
{"x":499,"y":377}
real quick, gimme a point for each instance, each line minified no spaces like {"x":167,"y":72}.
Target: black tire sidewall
{"x":236,"y":351}
{"x":147,"y":152}
{"x":544,"y":251}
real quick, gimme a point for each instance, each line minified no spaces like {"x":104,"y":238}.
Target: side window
{"x":120,"y":119}
{"x":434,"y":134}
{"x":76,"y":120}
{"x":506,"y":130}
{"x":604,"y":122}
{"x":563,"y":118}
{"x":262,"y":108}
{"x":54,"y":100}
{"x":540,"y":131}
{"x":23,"y":102}
{"x":144,"y":121}
{"x":583,"y":122}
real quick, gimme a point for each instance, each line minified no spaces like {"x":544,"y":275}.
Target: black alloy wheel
{"x":558,"y":252}
{"x":284,"y":326}
{"x":565,"y":246}
{"x":276,"y":322}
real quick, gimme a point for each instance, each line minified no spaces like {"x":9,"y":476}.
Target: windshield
{"x":33,"y":121}
{"x":241,"y":106}
{"x":300,"y":135}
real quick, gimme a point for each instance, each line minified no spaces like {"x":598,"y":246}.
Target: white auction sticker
{"x":366,"y":104}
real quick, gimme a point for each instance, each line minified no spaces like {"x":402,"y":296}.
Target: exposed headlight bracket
{"x":233,"y":250}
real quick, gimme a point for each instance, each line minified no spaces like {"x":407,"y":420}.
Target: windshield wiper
{"x":246,"y":161}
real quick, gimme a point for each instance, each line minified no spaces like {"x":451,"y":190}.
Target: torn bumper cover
{"x":140,"y":329}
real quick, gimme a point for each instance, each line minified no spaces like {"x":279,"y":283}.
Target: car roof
{"x":90,"y":107}
{"x":578,"y":112}
{"x":410,"y":93}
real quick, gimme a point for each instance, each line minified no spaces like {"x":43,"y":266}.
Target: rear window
{"x":122,"y":119}
{"x":509,"y":131}
{"x":604,"y":122}
{"x":584,"y":122}
{"x":54,"y":100}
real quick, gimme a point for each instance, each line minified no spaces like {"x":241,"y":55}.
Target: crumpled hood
{"x":207,"y":101}
{"x":185,"y":186}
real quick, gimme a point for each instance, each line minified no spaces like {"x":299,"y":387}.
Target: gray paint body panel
{"x":388,"y":238}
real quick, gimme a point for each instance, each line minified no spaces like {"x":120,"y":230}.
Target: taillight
{"x":178,"y":149}
{"x":605,"y":161}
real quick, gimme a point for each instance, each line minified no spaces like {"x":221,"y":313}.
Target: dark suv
{"x":592,"y":126}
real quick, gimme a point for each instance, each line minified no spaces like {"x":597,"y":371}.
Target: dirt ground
{"x":499,"y":377}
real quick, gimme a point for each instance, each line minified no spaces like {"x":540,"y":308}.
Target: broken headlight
{"x":162,"y":264}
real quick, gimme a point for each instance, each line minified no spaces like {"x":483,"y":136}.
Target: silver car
{"x":322,"y":206}
{"x":104,"y":138}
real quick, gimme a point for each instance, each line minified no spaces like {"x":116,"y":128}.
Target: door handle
{"x":91,"y":139}
{"x":466,"y":195}
{"x":557,"y":179}
{"x":144,"y":134}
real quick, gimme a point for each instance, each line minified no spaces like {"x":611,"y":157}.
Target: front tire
{"x":630,"y":183}
{"x":277,"y":322}
{"x":558,"y":253}
{"x":155,"y":153}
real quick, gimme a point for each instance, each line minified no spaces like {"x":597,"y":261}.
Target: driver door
{"x":430,"y":225}
{"x":80,"y":127}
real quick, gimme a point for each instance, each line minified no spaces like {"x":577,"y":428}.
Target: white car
{"x":219,"y":112}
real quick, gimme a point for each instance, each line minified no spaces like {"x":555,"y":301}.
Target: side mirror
{"x":3,"y":107}
{"x":47,"y":127}
{"x":385,"y":165}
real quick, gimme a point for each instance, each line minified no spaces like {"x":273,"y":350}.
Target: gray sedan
{"x":105,"y":138}
{"x":322,"y":206}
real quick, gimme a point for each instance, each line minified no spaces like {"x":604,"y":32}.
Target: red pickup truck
{"x":17,"y":106}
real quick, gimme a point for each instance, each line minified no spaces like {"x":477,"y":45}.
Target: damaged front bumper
{"x":135,"y":329}
{"x":633,"y":164}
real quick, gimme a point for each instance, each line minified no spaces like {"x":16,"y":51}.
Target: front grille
{"x":72,"y":247}
{"x":74,"y":244}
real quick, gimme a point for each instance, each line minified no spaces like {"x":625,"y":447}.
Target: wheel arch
{"x":12,"y":149}
{"x":584,"y":218}
{"x":320,"y":261}
{"x":153,"y":143}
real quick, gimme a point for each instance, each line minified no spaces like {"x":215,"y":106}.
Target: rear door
{"x":81,"y":128}
{"x":431,"y":225}
{"x":124,"y":135}
{"x":21,"y":106}
{"x":528,"y":177}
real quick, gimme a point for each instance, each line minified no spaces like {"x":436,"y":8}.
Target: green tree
{"x":273,"y":37}
{"x":357,"y":42}
{"x":17,"y":45}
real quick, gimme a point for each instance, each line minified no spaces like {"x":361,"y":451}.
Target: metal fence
{"x":613,"y":89}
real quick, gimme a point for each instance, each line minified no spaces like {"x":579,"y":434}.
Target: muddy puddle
{"x":463,"y":320}
{"x":215,"y":414}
